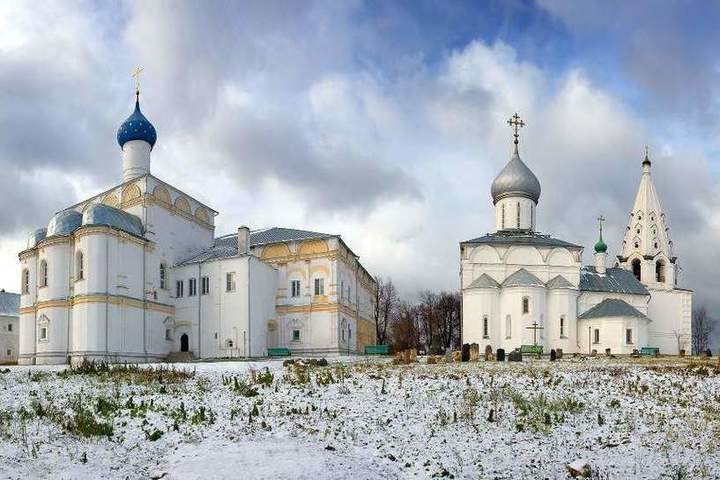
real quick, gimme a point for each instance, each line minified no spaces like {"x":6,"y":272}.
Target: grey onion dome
{"x":515,"y":180}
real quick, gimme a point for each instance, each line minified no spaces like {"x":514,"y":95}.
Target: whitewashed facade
{"x":136,"y":273}
{"x":520,"y":287}
{"x":9,"y":324}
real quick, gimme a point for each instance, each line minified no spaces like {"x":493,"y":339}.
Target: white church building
{"x":135,"y":273}
{"x":520,"y":287}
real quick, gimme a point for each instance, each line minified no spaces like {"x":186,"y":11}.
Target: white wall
{"x":671,"y":314}
{"x":612,"y":334}
{"x":9,"y":339}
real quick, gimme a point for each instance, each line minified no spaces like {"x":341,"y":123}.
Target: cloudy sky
{"x":382,"y":121}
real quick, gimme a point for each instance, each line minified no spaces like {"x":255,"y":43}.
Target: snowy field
{"x":355,"y":419}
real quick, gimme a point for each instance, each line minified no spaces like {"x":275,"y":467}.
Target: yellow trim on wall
{"x":183,"y":205}
{"x":313,"y":247}
{"x":275,"y":250}
{"x":102,"y":298}
{"x":131,"y":192}
{"x":161,"y":194}
{"x":111,"y":200}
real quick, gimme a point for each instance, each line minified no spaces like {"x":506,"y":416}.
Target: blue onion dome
{"x":515,"y":180}
{"x":36,"y":237}
{"x":101,"y":214}
{"x":64,"y":223}
{"x":136,"y":127}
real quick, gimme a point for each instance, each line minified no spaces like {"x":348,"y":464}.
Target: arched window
{"x":636,"y":268}
{"x":518,"y":215}
{"x":508,"y":326}
{"x":319,"y":286}
{"x":660,"y":271}
{"x":163,"y":276}
{"x":229,"y":343}
{"x":486,"y":333}
{"x":502,"y":217}
{"x":43,"y":273}
{"x":25,"y":281}
{"x":532,"y":216}
{"x":79,"y":266}
{"x":562,"y":326}
{"x":526,"y":305}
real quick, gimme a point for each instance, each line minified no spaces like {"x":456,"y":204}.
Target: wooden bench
{"x":377,"y":349}
{"x":278,"y":352}
{"x":531,"y":349}
{"x":650,"y":351}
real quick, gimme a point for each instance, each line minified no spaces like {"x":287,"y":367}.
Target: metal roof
{"x":522,"y":278}
{"x":36,"y":237}
{"x":515,"y":179}
{"x":10,"y":304}
{"x":101,"y":214}
{"x":614,"y":280}
{"x":64,"y":223}
{"x":519,"y":237}
{"x":136,"y":127}
{"x":226,"y":246}
{"x":612,"y":307}
{"x":484,"y":281}
{"x":559,"y":282}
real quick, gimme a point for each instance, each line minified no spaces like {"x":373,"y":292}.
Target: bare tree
{"x":404,"y":332}
{"x":702,"y":328}
{"x":387,"y":302}
{"x":449,"y":315}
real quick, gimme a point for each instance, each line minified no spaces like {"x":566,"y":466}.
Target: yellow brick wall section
{"x":365,"y":334}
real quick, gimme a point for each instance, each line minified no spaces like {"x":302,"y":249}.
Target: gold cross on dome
{"x":136,"y":76}
{"x":600,"y":220}
{"x":515,"y":122}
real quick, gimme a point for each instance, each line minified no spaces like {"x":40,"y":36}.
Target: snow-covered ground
{"x":355,"y":419}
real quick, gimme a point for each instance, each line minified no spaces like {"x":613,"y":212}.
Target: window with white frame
{"x":502,"y":217}
{"x":168,"y":334}
{"x":192,"y":287}
{"x":205,"y":285}
{"x":628,"y":335}
{"x":296,"y":335}
{"x":486,"y":331}
{"x":179,"y":289}
{"x":230,"y":282}
{"x":43,"y":334}
{"x":295,"y":288}
{"x":79,"y":266}
{"x":319,"y":286}
{"x":562,"y":326}
{"x":26,"y":281}
{"x":342,"y":288}
{"x":596,"y":336}
{"x":43,"y":273}
{"x":518,"y":215}
{"x":9,"y":327}
{"x":163,"y":276}
{"x":526,"y":305}
{"x":508,"y":326}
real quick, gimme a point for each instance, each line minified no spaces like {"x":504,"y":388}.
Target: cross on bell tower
{"x":516,"y":123}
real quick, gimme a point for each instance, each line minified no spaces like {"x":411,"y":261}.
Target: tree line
{"x":430,"y":324}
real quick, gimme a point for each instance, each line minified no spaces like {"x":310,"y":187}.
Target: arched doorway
{"x":636,"y":268}
{"x":184,"y":343}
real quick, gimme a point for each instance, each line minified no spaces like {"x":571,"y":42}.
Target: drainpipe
{"x":199,"y":297}
{"x":107,"y":292}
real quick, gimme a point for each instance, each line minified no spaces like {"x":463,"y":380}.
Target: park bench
{"x":278,"y":352}
{"x":377,"y":350}
{"x":531,"y":349}
{"x":649,"y":351}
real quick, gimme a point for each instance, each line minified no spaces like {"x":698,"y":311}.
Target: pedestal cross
{"x":535,"y":327}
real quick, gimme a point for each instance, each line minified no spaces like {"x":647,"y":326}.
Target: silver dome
{"x":64,"y":223}
{"x":101,"y":214}
{"x":36,"y":237}
{"x":515,"y":180}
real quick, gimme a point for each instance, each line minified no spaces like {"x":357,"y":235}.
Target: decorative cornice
{"x":101,"y":298}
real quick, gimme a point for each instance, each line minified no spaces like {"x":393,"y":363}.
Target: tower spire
{"x":600,"y":246}
{"x":516,"y":123}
